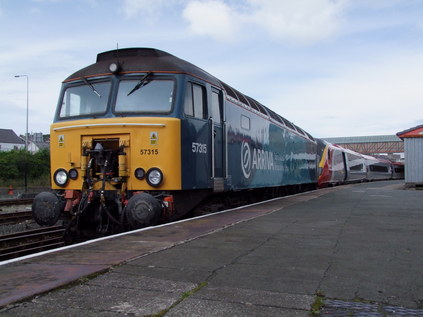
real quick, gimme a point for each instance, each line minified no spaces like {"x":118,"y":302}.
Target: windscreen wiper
{"x":143,"y":81}
{"x":91,"y":86}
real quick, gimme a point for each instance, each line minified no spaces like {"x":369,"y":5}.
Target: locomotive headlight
{"x":60,"y":177}
{"x":154,"y":177}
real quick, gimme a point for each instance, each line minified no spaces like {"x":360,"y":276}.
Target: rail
{"x":32,"y":241}
{"x":18,"y":201}
{"x":15,"y":217}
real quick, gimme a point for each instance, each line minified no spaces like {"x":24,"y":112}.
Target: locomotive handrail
{"x":110,"y":124}
{"x":212,"y":145}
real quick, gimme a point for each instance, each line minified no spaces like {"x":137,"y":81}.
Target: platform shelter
{"x":413,"y":152}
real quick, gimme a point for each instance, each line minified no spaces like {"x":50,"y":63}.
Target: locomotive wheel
{"x":46,"y":209}
{"x":143,"y":210}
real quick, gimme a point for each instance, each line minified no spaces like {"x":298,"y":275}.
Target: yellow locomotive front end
{"x":106,"y":172}
{"x":141,"y":154}
{"x":115,"y":147}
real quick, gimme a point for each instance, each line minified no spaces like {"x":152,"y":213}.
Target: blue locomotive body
{"x":265,"y":153}
{"x":235,"y":143}
{"x":142,"y":136}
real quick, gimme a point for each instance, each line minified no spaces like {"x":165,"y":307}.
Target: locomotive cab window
{"x":145,"y":95}
{"x":194,"y":105}
{"x":85,"y":100}
{"x":216,"y":106}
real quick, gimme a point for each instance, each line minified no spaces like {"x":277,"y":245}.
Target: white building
{"x":10,"y":141}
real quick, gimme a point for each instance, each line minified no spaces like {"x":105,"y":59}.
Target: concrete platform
{"x":354,"y":250}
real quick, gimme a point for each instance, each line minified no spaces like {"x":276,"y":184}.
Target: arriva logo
{"x":246,"y":159}
{"x":257,"y":160}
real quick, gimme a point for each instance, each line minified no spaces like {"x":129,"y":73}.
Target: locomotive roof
{"x":142,"y":59}
{"x":153,"y":60}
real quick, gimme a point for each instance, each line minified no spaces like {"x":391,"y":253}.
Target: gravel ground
{"x":26,"y":225}
{"x":23,"y":226}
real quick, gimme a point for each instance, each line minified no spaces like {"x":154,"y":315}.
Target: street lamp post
{"x":27,"y":104}
{"x":26,"y":132}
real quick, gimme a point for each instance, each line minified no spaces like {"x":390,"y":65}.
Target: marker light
{"x":154,"y":177}
{"x":114,"y":68}
{"x":73,"y":173}
{"x":60,"y":177}
{"x":139,"y":173}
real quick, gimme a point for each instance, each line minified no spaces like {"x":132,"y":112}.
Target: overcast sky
{"x":333,"y":67}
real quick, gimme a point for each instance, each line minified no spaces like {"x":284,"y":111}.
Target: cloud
{"x":298,"y":22}
{"x":47,"y":63}
{"x":212,"y":18}
{"x":294,"y":22}
{"x":369,"y":98}
{"x":133,"y":8}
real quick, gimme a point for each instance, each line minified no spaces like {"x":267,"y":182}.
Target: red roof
{"x":416,"y":132}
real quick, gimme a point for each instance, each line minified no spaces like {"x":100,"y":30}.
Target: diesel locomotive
{"x":142,"y":137}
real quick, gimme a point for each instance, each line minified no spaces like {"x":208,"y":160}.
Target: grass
{"x":317,"y":305}
{"x":184,"y":296}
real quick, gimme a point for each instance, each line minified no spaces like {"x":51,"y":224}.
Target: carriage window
{"x":155,"y":96}
{"x":378,"y":168}
{"x":216,"y":106}
{"x":85,"y":100}
{"x":356,"y":166}
{"x":195,"y":101}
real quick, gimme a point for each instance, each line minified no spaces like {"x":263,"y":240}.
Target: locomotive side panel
{"x":195,"y":150}
{"x":263,"y":154}
{"x":202,"y":135}
{"x":339,"y":168}
{"x":397,"y":171}
{"x":356,"y":165}
{"x":377,"y":168}
{"x":334,"y":168}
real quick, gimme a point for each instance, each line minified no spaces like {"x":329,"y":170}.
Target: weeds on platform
{"x":318,"y":303}
{"x":184,"y":296}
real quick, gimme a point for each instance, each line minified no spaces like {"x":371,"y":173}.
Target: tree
{"x":13,"y":165}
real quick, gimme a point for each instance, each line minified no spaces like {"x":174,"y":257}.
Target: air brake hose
{"x":103,"y":205}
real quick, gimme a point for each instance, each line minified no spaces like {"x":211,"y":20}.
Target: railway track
{"x":15,"y":217}
{"x":23,"y":243}
{"x":19,"y":201}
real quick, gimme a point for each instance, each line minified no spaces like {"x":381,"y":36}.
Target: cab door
{"x":217,"y":135}
{"x":195,"y":138}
